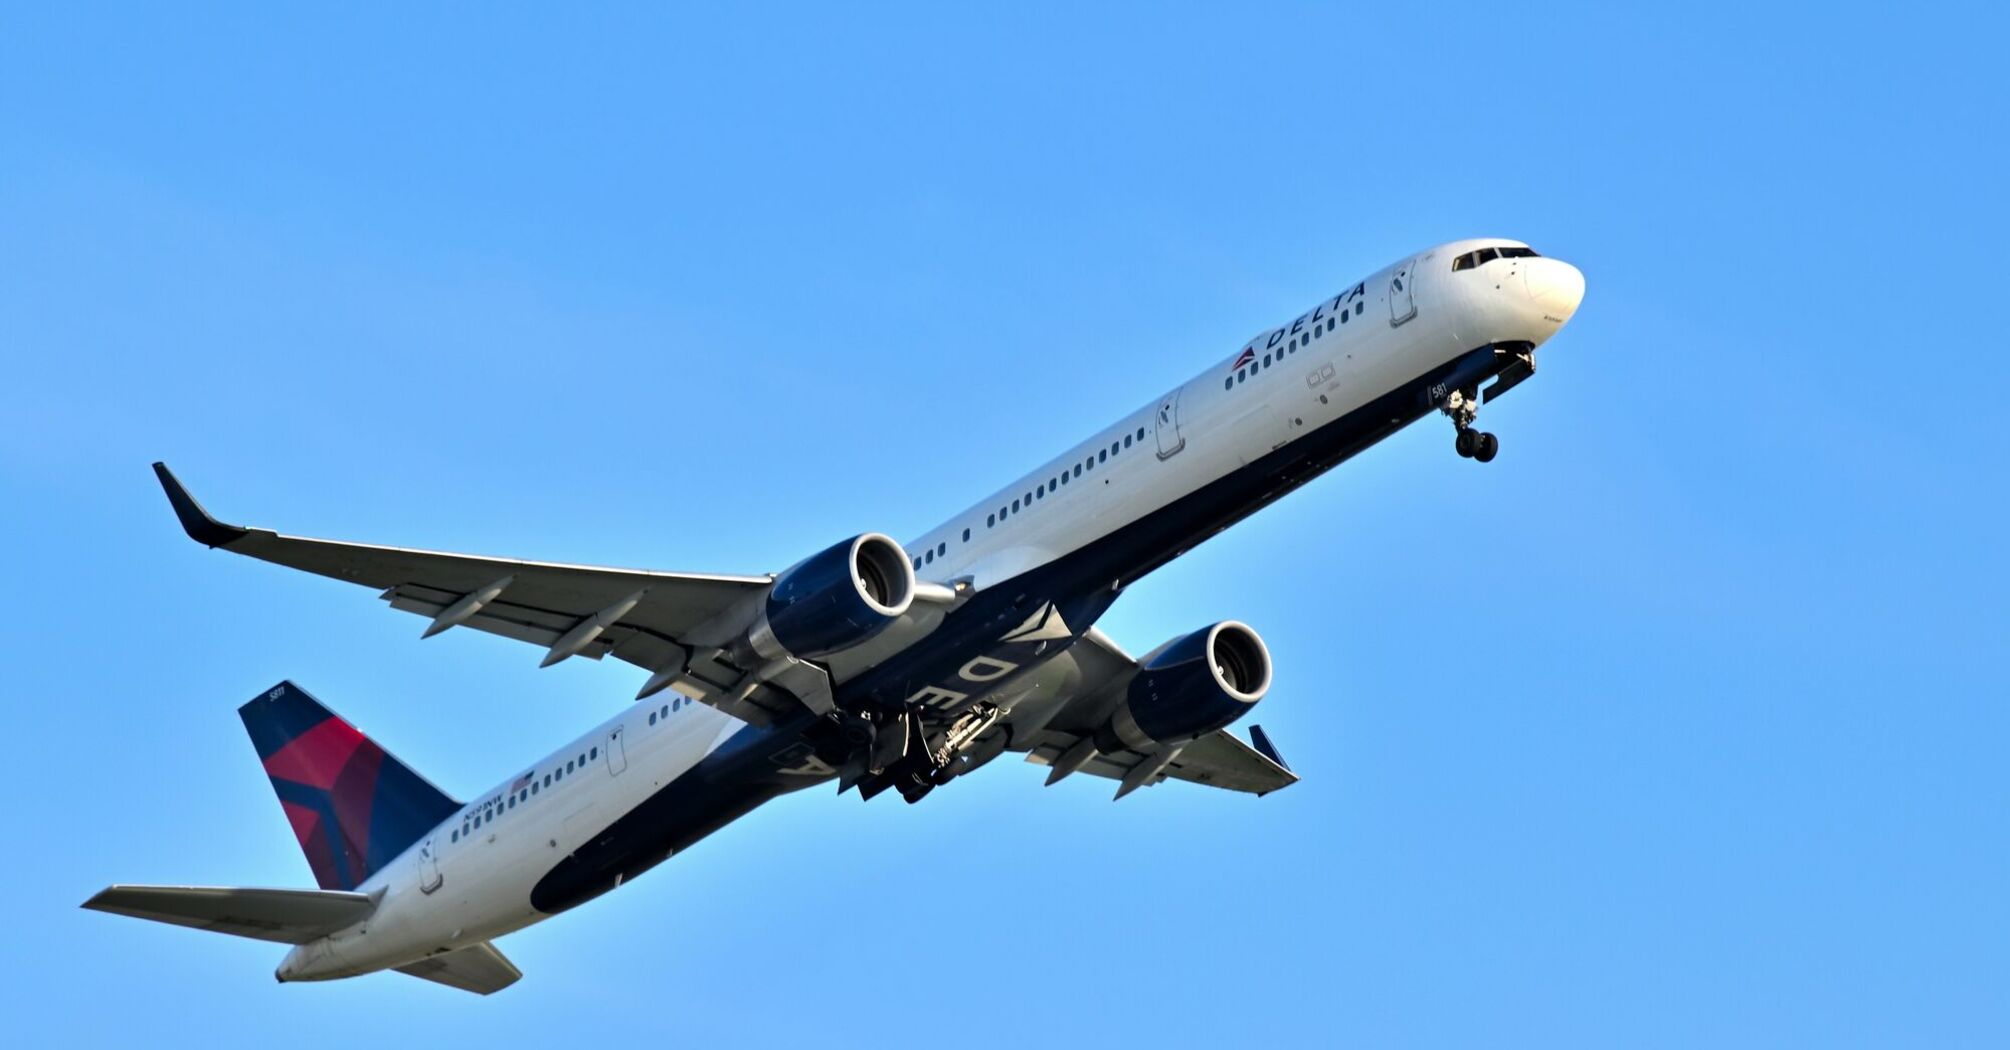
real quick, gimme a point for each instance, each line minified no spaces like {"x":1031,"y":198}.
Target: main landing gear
{"x":899,"y":750}
{"x":1464,"y":407}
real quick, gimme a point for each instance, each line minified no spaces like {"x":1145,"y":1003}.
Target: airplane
{"x":871,"y":663}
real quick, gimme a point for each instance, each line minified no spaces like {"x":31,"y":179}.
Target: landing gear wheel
{"x":1489,"y":447}
{"x":1467,"y":443}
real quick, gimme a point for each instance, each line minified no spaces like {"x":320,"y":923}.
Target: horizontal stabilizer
{"x":477,"y":968}
{"x":286,"y":916}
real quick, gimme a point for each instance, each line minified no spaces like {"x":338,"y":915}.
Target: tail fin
{"x":353,"y":806}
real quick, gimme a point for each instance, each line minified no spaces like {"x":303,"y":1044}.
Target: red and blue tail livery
{"x":352,"y":805}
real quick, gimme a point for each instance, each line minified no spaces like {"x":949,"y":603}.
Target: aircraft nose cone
{"x":1555,"y":285}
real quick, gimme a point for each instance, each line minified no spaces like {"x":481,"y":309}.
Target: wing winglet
{"x":1267,"y":749}
{"x":194,"y":520}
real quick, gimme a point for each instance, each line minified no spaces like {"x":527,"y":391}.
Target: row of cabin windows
{"x":674,"y":705}
{"x":1039,"y":492}
{"x":1053,"y":484}
{"x":493,"y":811}
{"x":1483,"y":256}
{"x":1296,"y":344}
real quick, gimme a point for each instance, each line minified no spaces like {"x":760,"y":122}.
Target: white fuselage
{"x":471,"y":880}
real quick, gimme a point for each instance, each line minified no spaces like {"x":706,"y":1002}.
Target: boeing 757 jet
{"x":870,"y":663}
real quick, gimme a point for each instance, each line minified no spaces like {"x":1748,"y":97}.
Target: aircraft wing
{"x":1219,"y":759}
{"x":632,"y":614}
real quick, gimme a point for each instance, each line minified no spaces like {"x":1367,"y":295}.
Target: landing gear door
{"x":1403,"y":293}
{"x":617,"y":755}
{"x":1166,"y":423}
{"x":429,"y":868}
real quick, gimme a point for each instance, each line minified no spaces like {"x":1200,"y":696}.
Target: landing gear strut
{"x":902,"y":752}
{"x":1464,"y":407}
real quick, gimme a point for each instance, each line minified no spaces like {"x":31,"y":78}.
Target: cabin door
{"x":1166,"y":423}
{"x":617,"y":755}
{"x":1403,"y":293}
{"x":429,"y":868}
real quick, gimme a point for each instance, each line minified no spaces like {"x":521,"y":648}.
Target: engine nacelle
{"x":834,"y":600}
{"x":1189,"y":688}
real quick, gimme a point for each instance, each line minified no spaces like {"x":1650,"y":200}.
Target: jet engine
{"x":836,"y":599}
{"x":1189,"y":688}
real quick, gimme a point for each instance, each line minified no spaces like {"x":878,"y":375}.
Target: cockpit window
{"x":1482,"y":256}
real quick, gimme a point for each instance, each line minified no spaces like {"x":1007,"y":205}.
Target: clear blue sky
{"x":1681,"y":724}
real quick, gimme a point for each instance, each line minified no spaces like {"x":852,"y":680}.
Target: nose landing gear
{"x":1477,"y":444}
{"x":1464,"y":407}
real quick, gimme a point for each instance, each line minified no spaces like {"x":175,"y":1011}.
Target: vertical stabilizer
{"x":352,"y":805}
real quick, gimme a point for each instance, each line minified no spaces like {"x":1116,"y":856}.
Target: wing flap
{"x":1221,"y":759}
{"x":285,"y":916}
{"x":509,"y":619}
{"x":1218,"y":759}
{"x":478,"y":968}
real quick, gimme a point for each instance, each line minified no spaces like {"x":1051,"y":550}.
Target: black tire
{"x":1467,"y":443}
{"x":1489,"y":447}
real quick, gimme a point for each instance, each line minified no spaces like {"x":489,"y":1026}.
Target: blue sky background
{"x":1681,"y":724}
